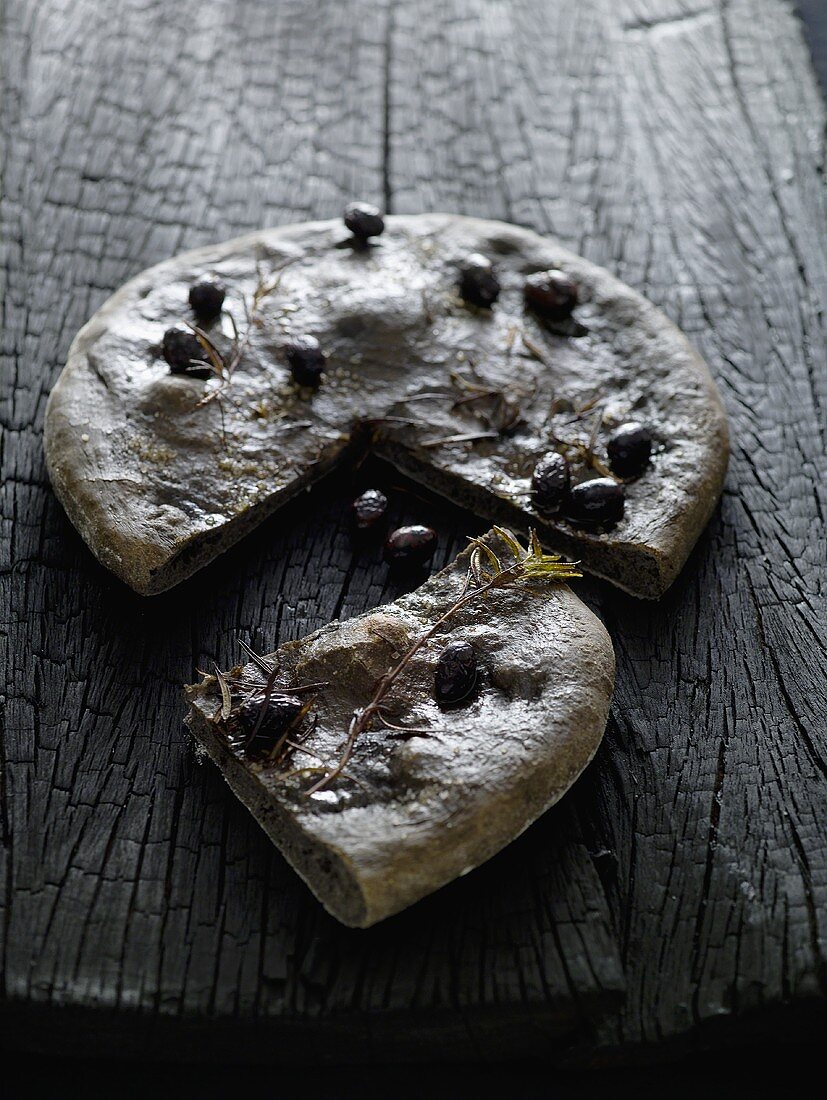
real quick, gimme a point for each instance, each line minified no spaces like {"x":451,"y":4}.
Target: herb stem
{"x":530,"y":562}
{"x":363,"y":716}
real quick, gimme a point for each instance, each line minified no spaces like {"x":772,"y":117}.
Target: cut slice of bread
{"x":413,"y":812}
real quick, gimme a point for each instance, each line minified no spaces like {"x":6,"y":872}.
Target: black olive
{"x":183,"y":352}
{"x":364,"y":220}
{"x":455,"y":676}
{"x":306,"y":360}
{"x":551,"y":294}
{"x":596,"y":503}
{"x":207,"y":297}
{"x":281,"y":711}
{"x":478,"y":282}
{"x":369,"y":510}
{"x":410,"y":546}
{"x":550,"y":482}
{"x":630,"y":449}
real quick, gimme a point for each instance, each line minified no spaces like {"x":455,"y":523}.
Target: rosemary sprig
{"x":463,"y":437}
{"x":486,"y":572}
{"x":224,"y":363}
{"x":226,"y":698}
{"x":502,"y":413}
{"x":585,"y":450}
{"x":227,"y":682}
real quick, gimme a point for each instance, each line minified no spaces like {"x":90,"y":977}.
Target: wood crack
{"x":670,"y":24}
{"x":387,"y":103}
{"x":5,"y":828}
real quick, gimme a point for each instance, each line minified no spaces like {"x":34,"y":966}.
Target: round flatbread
{"x":161,"y":472}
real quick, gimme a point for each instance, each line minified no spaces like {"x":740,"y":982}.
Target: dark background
{"x":751,"y":1071}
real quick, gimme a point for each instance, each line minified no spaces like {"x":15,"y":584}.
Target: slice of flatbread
{"x":413,"y":811}
{"x":159,"y":482}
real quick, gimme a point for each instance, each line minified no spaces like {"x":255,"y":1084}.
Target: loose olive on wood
{"x":369,"y":510}
{"x":411,"y":546}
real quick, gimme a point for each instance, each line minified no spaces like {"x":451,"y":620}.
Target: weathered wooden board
{"x":679,"y":894}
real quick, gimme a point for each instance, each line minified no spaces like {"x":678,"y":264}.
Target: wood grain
{"x":678,"y":895}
